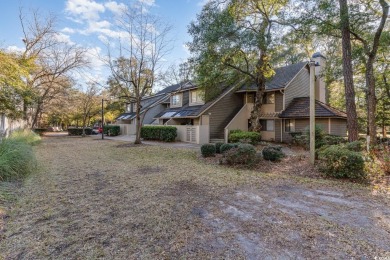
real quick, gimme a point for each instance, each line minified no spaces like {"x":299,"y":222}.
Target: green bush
{"x":79,"y":131}
{"x":218,"y":147}
{"x":303,"y":139}
{"x":39,"y":131}
{"x":208,"y":150}
{"x":112,"y":130}
{"x":227,"y":147}
{"x":235,"y":131}
{"x":339,"y":162}
{"x":242,"y":154}
{"x":244,"y":137}
{"x":272,"y":153}
{"x":17,"y":158}
{"x":333,"y":139}
{"x":161,"y":133}
{"x":26,"y":136}
{"x":356,"y":146}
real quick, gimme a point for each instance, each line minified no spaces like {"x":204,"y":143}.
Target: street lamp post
{"x":312,"y":112}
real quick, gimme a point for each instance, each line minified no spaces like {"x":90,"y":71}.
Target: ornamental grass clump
{"x":26,"y":136}
{"x":17,"y":158}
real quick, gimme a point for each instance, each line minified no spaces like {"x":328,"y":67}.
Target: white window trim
{"x":181,"y":100}
{"x":292,"y":128}
{"x":195,"y":103}
{"x":273,"y":130}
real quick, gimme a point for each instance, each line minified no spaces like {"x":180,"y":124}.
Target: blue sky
{"x":86,"y":22}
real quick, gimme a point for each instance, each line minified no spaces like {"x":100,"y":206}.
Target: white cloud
{"x":14,"y":48}
{"x":68,"y":30}
{"x":61,"y":37}
{"x":85,"y":9}
{"x":115,"y":8}
{"x":94,"y":55}
{"x":147,"y":2}
{"x":103,"y":39}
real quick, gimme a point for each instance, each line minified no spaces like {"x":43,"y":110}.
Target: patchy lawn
{"x":104,"y":199}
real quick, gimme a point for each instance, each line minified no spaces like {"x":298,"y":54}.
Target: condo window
{"x":269,"y":98}
{"x":267,"y":124}
{"x":176,"y":100}
{"x":197,"y":97}
{"x":287,"y":125}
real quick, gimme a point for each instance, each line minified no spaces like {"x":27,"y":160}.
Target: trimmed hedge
{"x":161,"y":133}
{"x":273,"y":153}
{"x":339,"y":162}
{"x":227,"y":147}
{"x":218,"y":147}
{"x":112,"y":130}
{"x":244,"y":137}
{"x":242,"y":154}
{"x":79,"y":131}
{"x":208,"y":150}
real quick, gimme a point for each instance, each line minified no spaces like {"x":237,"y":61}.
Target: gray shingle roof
{"x":281,"y":78}
{"x":299,"y":108}
{"x":125,"y":116}
{"x":175,"y":87}
{"x":191,"y":111}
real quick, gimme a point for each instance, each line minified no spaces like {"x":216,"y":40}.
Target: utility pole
{"x":312,"y":112}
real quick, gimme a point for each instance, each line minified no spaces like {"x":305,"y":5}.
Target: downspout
{"x":281,"y":130}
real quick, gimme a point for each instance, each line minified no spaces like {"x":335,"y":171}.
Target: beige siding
{"x":301,"y":124}
{"x":278,"y":101}
{"x":338,"y":127}
{"x":222,"y":112}
{"x":278,"y":126}
{"x":299,"y":87}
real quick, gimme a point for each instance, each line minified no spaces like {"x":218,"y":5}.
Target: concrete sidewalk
{"x":131,"y":138}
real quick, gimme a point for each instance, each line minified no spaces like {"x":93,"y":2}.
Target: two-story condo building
{"x":285,"y":107}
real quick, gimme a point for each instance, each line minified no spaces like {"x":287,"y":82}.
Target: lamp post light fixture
{"x":312,"y":107}
{"x":103,"y":117}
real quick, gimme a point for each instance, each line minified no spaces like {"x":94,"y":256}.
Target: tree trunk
{"x":36,"y":115}
{"x":371,"y":100}
{"x":352,"y":123}
{"x":138,"y":123}
{"x":84,"y":122}
{"x":260,"y":83}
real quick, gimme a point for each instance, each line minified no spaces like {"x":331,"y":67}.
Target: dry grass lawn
{"x":102,"y":199}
